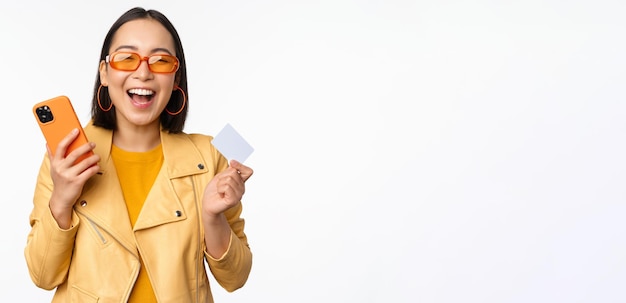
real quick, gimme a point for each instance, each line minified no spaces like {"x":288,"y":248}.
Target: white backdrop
{"x":406,"y":151}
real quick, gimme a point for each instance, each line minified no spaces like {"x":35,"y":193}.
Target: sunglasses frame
{"x":142,"y":58}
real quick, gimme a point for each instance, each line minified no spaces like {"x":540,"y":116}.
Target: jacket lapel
{"x":163,"y":205}
{"x":102,"y":200}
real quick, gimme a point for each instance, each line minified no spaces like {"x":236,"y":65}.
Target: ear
{"x":103,"y":73}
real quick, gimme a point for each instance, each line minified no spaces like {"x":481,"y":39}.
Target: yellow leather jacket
{"x":97,"y":259}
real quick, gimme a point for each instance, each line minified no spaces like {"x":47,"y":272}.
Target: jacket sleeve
{"x":48,"y":247}
{"x":232,"y":269}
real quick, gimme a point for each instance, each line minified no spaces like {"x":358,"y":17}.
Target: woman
{"x":136,"y":221}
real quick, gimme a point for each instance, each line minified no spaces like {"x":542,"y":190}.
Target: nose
{"x":143,"y":72}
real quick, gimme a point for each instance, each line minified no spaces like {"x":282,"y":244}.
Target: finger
{"x":65,"y":143}
{"x":88,"y":172}
{"x":231,"y":177}
{"x":244,"y":171}
{"x":87,"y":163}
{"x":80,"y":151}
{"x":230,"y":193}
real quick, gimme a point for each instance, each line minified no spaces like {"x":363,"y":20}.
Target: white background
{"x":406,"y":151}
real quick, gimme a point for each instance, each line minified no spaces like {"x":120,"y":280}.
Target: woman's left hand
{"x":225,"y":189}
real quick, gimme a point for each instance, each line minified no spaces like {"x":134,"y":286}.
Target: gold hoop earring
{"x":99,"y":103}
{"x":184,"y":102}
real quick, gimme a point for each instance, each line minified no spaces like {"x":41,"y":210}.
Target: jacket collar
{"x":181,"y":156}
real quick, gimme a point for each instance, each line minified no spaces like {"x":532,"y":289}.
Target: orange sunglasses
{"x":129,"y":61}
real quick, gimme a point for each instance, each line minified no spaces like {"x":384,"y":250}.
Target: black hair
{"x":171,"y":123}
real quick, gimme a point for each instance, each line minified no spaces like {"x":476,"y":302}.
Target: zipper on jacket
{"x":94,"y":225}
{"x":97,"y":230}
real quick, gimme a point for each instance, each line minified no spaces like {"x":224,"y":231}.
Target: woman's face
{"x":139,"y":96}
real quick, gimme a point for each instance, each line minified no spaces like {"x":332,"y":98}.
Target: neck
{"x":137,"y":138}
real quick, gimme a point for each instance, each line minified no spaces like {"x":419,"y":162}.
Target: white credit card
{"x":232,"y":145}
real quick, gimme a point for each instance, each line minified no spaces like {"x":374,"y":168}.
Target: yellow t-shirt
{"x":137,"y":172}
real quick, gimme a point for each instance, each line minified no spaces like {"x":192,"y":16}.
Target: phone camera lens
{"x":44,"y":114}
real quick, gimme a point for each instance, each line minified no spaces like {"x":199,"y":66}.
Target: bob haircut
{"x":173,"y":124}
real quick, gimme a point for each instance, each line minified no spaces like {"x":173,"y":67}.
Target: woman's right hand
{"x":69,"y":178}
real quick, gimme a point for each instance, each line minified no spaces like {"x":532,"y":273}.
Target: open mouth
{"x":140,"y":95}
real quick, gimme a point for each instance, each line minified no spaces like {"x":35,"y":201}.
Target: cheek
{"x":114,"y":79}
{"x":117,"y":77}
{"x":115,"y":83}
{"x":168,"y":82}
{"x":166,"y":86}
{"x":116,"y":86}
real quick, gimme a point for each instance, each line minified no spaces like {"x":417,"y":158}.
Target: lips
{"x":141,"y":97}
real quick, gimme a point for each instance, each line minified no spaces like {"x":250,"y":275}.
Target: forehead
{"x":143,"y":36}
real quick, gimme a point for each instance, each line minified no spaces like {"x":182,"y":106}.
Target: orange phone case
{"x":56,"y":118}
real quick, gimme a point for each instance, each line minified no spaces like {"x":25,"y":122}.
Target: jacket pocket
{"x":79,"y":295}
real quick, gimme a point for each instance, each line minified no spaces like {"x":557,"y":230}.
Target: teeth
{"x":141,"y":91}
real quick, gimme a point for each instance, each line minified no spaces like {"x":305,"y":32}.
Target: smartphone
{"x":56,"y":118}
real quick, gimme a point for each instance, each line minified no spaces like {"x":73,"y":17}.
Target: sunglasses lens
{"x":163,"y":63}
{"x":131,"y":61}
{"x":125,"y":61}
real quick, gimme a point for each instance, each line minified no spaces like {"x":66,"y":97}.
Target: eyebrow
{"x":154,"y":50}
